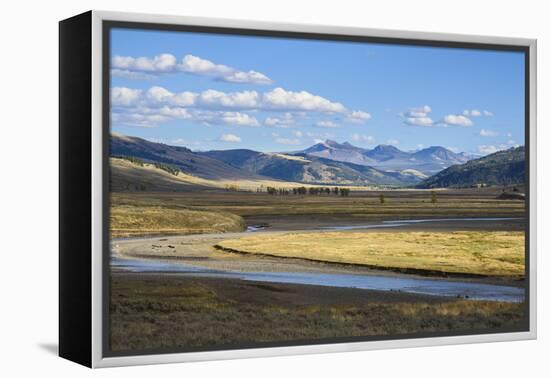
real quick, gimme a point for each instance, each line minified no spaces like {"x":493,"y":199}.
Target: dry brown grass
{"x":464,"y":252}
{"x":166,"y":313}
{"x":150,"y":220}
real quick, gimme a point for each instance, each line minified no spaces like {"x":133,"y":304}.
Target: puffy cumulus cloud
{"x":487,"y":113}
{"x":121,"y":96}
{"x":284,"y":121}
{"x":326,"y":124}
{"x":456,"y":120}
{"x":419,"y":121}
{"x":418,"y":112}
{"x":214,"y":106}
{"x":487,"y":133}
{"x":368,"y":139}
{"x":298,"y":134}
{"x":248,"y":77}
{"x":277,"y":99}
{"x":418,"y":116}
{"x":472,"y":113}
{"x":137,"y":119}
{"x":280,"y":98}
{"x":358,"y":116}
{"x":158,"y":64}
{"x":230,"y":138}
{"x":194,"y":64}
{"x":239,"y":119}
{"x":242,"y":100}
{"x":147,"y":67}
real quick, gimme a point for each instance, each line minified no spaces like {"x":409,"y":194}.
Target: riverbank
{"x":200,"y":251}
{"x":152,"y":311}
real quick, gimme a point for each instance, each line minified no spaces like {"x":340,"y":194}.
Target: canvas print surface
{"x":269,"y":191}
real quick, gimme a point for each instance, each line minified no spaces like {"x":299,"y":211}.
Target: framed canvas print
{"x":236,"y":189}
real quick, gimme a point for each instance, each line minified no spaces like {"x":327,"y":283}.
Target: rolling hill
{"x":126,"y":175}
{"x":181,"y":157}
{"x":500,"y":168}
{"x":301,"y":167}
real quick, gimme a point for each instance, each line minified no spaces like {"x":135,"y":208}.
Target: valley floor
{"x":159,"y":311}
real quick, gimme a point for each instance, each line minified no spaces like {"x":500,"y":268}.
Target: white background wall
{"x":28,"y":246}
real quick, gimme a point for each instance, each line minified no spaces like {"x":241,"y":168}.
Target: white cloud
{"x":326,"y":124}
{"x":418,"y":116}
{"x":239,"y":119}
{"x":280,"y":98}
{"x":248,"y":77}
{"x":419,"y":121}
{"x":146,"y":67}
{"x":158,"y":64}
{"x":214,"y":98}
{"x":140,"y":120}
{"x":121,"y":96}
{"x":298,"y":134}
{"x":131,"y":75}
{"x":487,"y":133}
{"x":457,"y":120}
{"x":472,"y":113}
{"x":477,"y":113}
{"x":284,"y":121}
{"x":453,"y":149}
{"x":194,"y":64}
{"x":358,"y":116}
{"x":363,"y":138}
{"x":213,"y":106}
{"x":230,"y":138}
{"x":418,"y":112}
{"x":393,"y":141}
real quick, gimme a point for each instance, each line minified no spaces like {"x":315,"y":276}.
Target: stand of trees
{"x":313,"y":191}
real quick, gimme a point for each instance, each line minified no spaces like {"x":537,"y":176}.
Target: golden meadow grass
{"x":466,"y":252}
{"x":151,"y":220}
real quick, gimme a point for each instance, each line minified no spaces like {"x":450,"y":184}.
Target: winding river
{"x":399,"y":283}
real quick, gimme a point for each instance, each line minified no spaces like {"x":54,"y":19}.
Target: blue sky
{"x":207,"y":91}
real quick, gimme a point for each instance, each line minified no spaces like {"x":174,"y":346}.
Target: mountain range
{"x":329,"y":162}
{"x":386,"y":157}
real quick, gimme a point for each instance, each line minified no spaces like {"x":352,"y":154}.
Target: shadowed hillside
{"x":501,"y":168}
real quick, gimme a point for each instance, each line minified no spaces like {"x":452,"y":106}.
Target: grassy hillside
{"x":132,"y":176}
{"x":501,"y":168}
{"x":181,"y":157}
{"x":310,"y":169}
